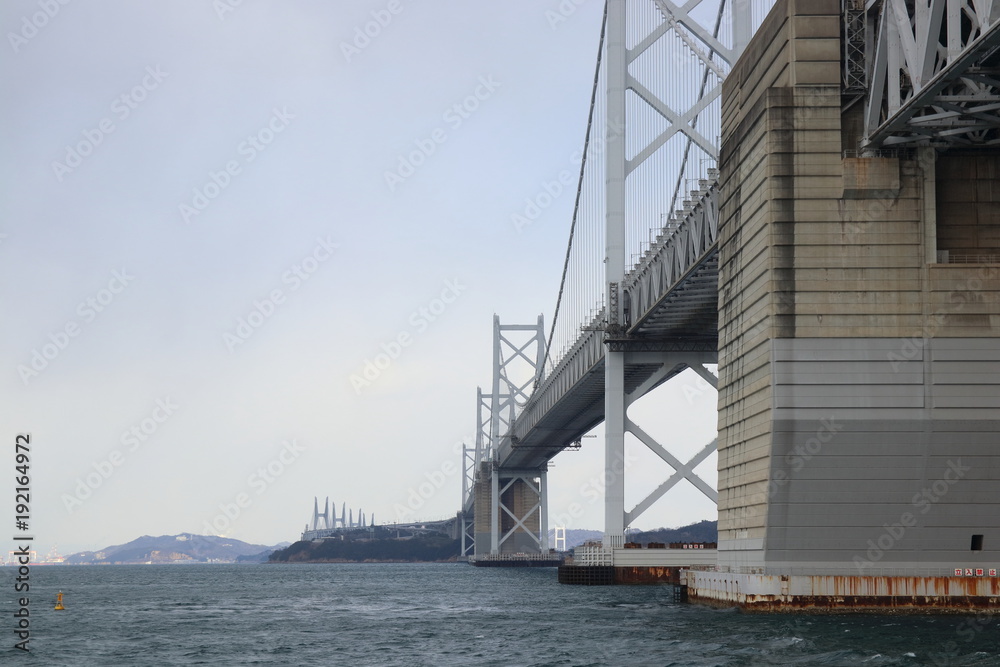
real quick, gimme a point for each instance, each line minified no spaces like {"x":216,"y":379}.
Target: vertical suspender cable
{"x":576,"y":205}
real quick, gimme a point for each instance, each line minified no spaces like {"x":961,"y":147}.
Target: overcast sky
{"x":215,"y":214}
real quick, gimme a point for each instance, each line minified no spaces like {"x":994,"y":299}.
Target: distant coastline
{"x":183,"y":549}
{"x":419,"y":549}
{"x":343,"y":561}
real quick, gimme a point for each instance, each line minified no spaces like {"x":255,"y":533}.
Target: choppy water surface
{"x":343,"y":614}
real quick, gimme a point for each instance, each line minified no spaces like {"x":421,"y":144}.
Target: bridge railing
{"x":684,"y":243}
{"x":579,"y":359}
{"x":678,"y":249}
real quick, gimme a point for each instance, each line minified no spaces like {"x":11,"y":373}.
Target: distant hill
{"x":183,"y":548}
{"x":419,"y":549}
{"x":703,"y":531}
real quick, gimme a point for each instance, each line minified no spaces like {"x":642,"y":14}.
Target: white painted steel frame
{"x":671,"y":259}
{"x":673,"y":255}
{"x":933,"y":76}
{"x":618,"y":167}
{"x":536,"y":481}
{"x":496,"y":412}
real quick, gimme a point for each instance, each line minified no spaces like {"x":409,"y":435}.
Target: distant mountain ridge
{"x":190,"y":548}
{"x":702,"y":531}
{"x":182,"y":548}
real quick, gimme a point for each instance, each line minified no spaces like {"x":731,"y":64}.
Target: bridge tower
{"x":505,"y":508}
{"x":626,"y":345}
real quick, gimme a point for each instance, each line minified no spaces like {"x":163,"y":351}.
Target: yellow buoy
{"x":59,"y":604}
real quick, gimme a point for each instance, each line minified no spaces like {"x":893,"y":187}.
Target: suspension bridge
{"x":804,"y":193}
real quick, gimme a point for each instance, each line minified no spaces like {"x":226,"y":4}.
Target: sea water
{"x":438,"y":614}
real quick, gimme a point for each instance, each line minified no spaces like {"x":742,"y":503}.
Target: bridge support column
{"x":614,"y":267}
{"x":614,"y":450}
{"x":467,"y":526}
{"x":511,"y":511}
{"x":514,"y":504}
{"x":482,"y":510}
{"x":682,"y":471}
{"x":543,"y":527}
{"x":494,"y":512}
{"x":466,"y":516}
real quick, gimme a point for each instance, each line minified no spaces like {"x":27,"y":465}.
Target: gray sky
{"x":215,"y":214}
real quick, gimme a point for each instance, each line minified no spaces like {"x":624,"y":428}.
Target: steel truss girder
{"x":663,"y":270}
{"x":654,"y":345}
{"x":587,"y":352}
{"x":677,"y":253}
{"x":933,"y":73}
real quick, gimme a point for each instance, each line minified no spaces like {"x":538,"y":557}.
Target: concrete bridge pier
{"x":859,"y":345}
{"x":511,"y":511}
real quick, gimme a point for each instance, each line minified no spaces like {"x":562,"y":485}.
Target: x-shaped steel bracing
{"x":681,"y":470}
{"x":519,"y":521}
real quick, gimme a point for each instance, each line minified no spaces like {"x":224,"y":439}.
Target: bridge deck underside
{"x":577,"y":412}
{"x":670,"y":302}
{"x":684,"y":319}
{"x":688,"y":312}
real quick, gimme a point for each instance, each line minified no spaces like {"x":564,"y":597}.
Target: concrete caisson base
{"x":608,"y":575}
{"x":843,"y":593}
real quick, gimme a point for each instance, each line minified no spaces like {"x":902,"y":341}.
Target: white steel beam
{"x":706,"y":375}
{"x":494,"y":511}
{"x":685,"y":471}
{"x":614,"y":263}
{"x":672,"y":461}
{"x":529,"y":481}
{"x":925,"y":65}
